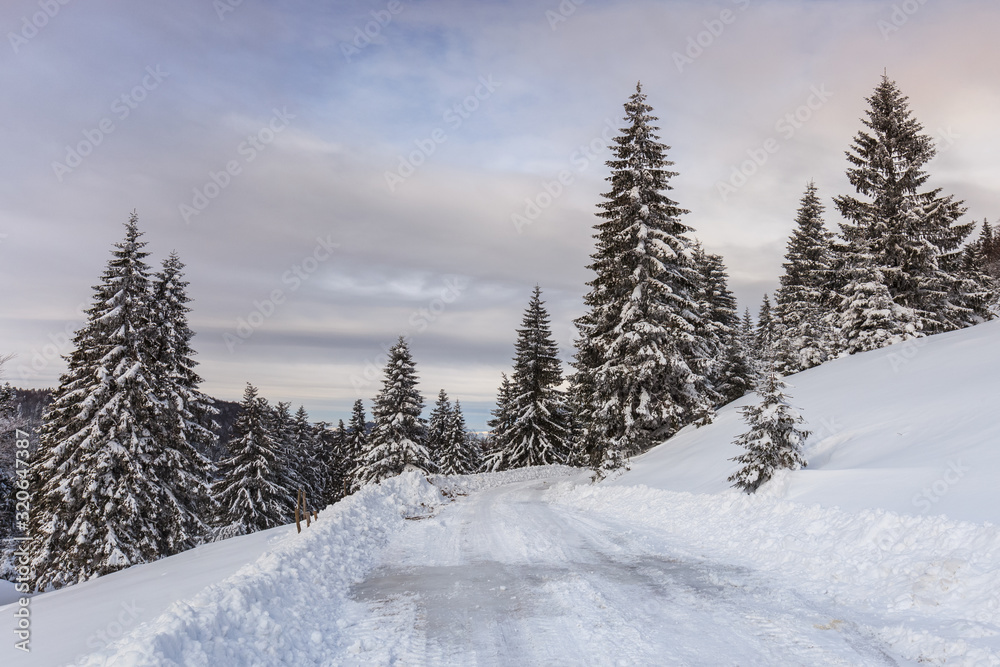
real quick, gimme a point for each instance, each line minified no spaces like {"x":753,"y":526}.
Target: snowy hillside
{"x":663,"y":565}
{"x":913,"y":428}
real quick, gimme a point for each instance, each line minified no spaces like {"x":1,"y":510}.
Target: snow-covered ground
{"x":849,"y":562}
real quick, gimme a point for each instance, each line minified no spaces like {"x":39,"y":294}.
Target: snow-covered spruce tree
{"x":725,"y":365}
{"x":870,"y":318}
{"x":804,"y":300}
{"x":188,"y":414}
{"x":355,"y":444}
{"x":982,"y":266}
{"x":637,"y":350}
{"x":912,"y":235}
{"x":312,"y":463}
{"x":250,"y":492}
{"x":8,"y":448}
{"x":538,"y":429}
{"x":397,"y":440}
{"x":293,"y":460}
{"x":772,"y":442}
{"x":499,"y":425}
{"x":437,"y":427}
{"x":764,"y":335}
{"x":101,"y":502}
{"x":334,"y":460}
{"x":458,"y":455}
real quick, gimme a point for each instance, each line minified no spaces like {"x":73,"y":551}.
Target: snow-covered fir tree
{"x":458,"y":455}
{"x":355,"y":444}
{"x":982,"y":266}
{"x":102,"y":502}
{"x":870,"y":318}
{"x":499,"y":424}
{"x":773,"y":441}
{"x":764,"y":334}
{"x":437,"y":427}
{"x":188,"y":414}
{"x":250,"y":491}
{"x":911,"y":235}
{"x":294,"y":460}
{"x":397,"y":439}
{"x":334,"y":460}
{"x":637,"y":355}
{"x":537,"y":432}
{"x":804,"y":301}
{"x":8,"y":447}
{"x":311,"y":460}
{"x":725,"y":363}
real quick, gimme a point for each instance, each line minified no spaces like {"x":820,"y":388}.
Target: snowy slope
{"x":663,"y":565}
{"x":913,"y":428}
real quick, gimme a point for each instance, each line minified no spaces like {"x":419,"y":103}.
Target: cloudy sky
{"x":336,"y":174}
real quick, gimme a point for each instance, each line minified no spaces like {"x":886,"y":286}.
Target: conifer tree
{"x":500,"y":425}
{"x":101,"y":503}
{"x":538,"y":430}
{"x":870,"y":318}
{"x":356,"y":444}
{"x":250,"y":492}
{"x":764,"y":333}
{"x":911,"y":235}
{"x":637,"y":356}
{"x":804,"y":299}
{"x":334,"y":460}
{"x":437,"y":427}
{"x":188,"y":424}
{"x":292,"y":460}
{"x":458,"y":453}
{"x":772,"y":442}
{"x":397,"y":440}
{"x":313,"y":466}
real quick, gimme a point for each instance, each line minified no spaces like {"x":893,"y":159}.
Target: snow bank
{"x":248,"y":619}
{"x":466,"y":484}
{"x":929,"y":586}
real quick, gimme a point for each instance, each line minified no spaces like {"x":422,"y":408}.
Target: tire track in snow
{"x":502,"y":577}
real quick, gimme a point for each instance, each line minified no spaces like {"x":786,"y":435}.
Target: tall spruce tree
{"x":335,"y":460}
{"x":311,"y":458}
{"x":251,"y":492}
{"x":726,"y":365}
{"x":772,"y":442}
{"x":397,"y":439}
{"x":356,"y":444}
{"x":437,"y":427}
{"x":101,"y":502}
{"x":911,"y":235}
{"x":500,"y":425}
{"x":804,"y":300}
{"x":189,"y":424}
{"x":637,"y":355}
{"x":538,"y":429}
{"x":764,"y":335}
{"x":293,"y":460}
{"x":870,"y":318}
{"x":458,"y":455}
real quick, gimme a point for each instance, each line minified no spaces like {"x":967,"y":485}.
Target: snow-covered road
{"x":504,"y":577}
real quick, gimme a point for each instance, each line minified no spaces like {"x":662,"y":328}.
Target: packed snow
{"x":883,"y":551}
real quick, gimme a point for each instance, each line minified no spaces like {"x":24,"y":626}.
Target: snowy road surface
{"x":503,"y":577}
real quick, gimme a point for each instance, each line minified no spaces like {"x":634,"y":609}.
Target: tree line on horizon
{"x":120,"y":475}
